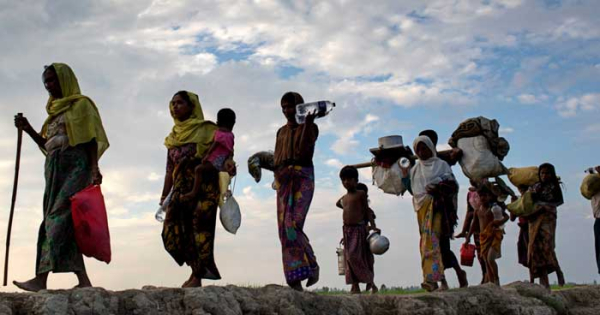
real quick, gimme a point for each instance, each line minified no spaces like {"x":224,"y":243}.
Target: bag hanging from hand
{"x":389,"y":179}
{"x":91,"y":223}
{"x":230,"y":215}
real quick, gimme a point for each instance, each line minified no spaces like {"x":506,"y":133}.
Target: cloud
{"x":527,"y":99}
{"x":154,"y":177}
{"x":506,"y":130}
{"x":574,"y":105}
{"x":346,"y":141}
{"x":576,"y":28}
{"x":335,"y":163}
{"x":594,"y":128}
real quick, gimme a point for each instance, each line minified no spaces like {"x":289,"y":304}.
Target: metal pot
{"x":378,"y":244}
{"x":341,"y":261}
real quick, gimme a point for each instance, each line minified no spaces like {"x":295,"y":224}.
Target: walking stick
{"x":14,"y":197}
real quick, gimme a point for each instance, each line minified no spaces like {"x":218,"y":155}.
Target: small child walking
{"x":220,"y":152}
{"x":490,"y":217}
{"x":356,"y":215}
{"x":371,"y":227}
{"x":473,"y":203}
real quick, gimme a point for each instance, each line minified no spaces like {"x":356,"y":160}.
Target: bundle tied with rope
{"x":483,"y":149}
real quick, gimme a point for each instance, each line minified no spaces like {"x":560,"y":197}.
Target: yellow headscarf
{"x":193,"y":130}
{"x":82,"y":119}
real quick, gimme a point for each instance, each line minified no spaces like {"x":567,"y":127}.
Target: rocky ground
{"x":516,"y":298}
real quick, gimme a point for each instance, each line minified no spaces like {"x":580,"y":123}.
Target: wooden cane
{"x":14,"y":197}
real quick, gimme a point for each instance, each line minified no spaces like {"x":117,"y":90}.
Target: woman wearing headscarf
{"x":73,"y":139}
{"x":547,"y":196}
{"x":448,"y":223}
{"x":189,"y":227}
{"x":433,"y":187}
{"x":295,"y":185}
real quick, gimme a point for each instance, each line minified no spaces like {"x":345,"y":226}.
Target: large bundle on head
{"x":387,"y":174}
{"x":482,"y":148}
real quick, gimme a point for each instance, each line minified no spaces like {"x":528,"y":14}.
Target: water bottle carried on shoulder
{"x":322,"y":108}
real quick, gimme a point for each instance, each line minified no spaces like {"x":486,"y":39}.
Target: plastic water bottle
{"x":162,"y":210}
{"x":322,"y":108}
{"x":160,"y":214}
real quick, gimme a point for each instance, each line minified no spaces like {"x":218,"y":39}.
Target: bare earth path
{"x":516,"y":298}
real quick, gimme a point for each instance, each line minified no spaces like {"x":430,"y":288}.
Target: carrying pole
{"x":14,"y":198}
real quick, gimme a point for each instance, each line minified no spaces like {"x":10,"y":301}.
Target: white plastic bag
{"x":230,"y":215}
{"x":389,"y":179}
{"x":478,"y":161}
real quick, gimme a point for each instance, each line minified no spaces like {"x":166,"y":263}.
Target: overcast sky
{"x":392,"y":67}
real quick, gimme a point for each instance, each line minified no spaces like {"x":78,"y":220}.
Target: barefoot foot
{"x":461,"y":235}
{"x":297,"y":285}
{"x":429,"y":286}
{"x":194,"y":283}
{"x":374,"y":289}
{"x":355,"y":289}
{"x":184,"y":285}
{"x":314,"y":278}
{"x":33,"y":285}
{"x":561,"y":278}
{"x":462,"y":278}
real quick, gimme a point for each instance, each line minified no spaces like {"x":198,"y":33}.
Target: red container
{"x":467,"y":255}
{"x":91,"y":224}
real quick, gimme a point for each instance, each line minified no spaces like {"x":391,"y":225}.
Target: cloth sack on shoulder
{"x":590,"y":186}
{"x":523,"y":206}
{"x":478,"y":161}
{"x":389,"y":179}
{"x":527,"y":176}
{"x":258,"y":161}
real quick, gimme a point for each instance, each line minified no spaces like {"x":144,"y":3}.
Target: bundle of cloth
{"x":590,"y":186}
{"x":483,"y":149}
{"x":258,"y":161}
